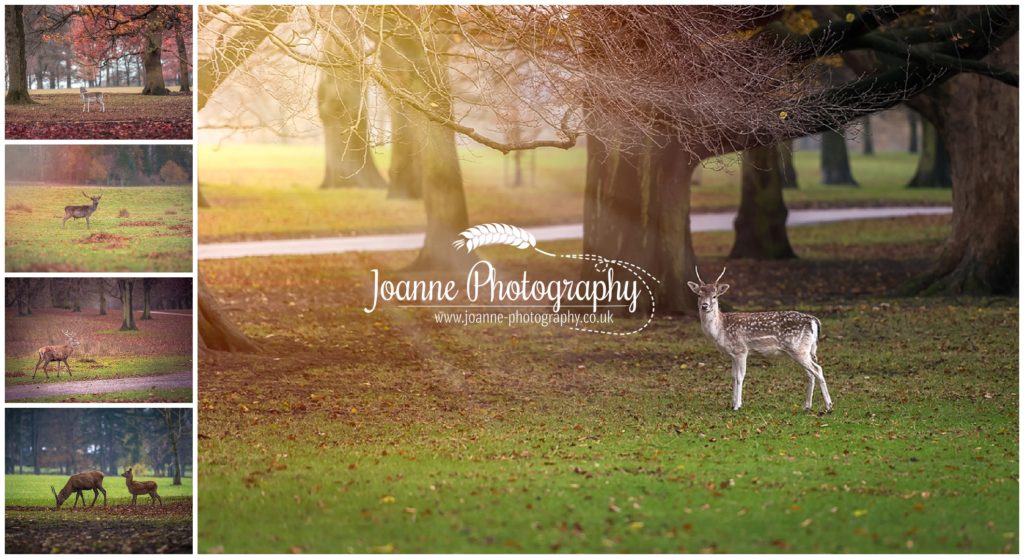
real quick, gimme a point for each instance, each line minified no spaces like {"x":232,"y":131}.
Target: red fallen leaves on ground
{"x":113,"y":529}
{"x":166,"y":129}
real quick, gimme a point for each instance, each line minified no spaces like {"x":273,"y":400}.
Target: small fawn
{"x":88,"y":98}
{"x":137,"y":488}
{"x":81,"y":482}
{"x":737,"y":334}
{"x":58,"y":353}
{"x":76,"y":212}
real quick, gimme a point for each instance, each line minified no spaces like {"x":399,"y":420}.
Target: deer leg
{"x":45,"y":371}
{"x":68,"y":366}
{"x":104,"y":497}
{"x":810,"y":391}
{"x":64,"y":224}
{"x":36,"y":370}
{"x":77,"y":495}
{"x":87,"y":222}
{"x":814,"y":370}
{"x":741,"y":361}
{"x":95,"y":495}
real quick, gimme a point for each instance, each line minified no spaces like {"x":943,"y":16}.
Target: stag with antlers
{"x":737,"y":334}
{"x":58,"y":353}
{"x":76,"y":212}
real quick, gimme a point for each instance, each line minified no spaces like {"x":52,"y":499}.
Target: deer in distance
{"x":59,"y":353}
{"x":137,"y":488}
{"x":81,"y":482}
{"x":737,"y":334}
{"x":89,"y":98}
{"x":77,"y":212}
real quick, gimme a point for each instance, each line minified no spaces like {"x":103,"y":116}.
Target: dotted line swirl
{"x":630,"y":267}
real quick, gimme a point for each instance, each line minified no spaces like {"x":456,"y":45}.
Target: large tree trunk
{"x":405,"y":174}
{"x":103,"y":297}
{"x":127,"y":287}
{"x":183,"y":61}
{"x":154,"y":66}
{"x":17,"y":65}
{"x":933,"y":164}
{"x":869,"y":140}
{"x":343,"y":112}
{"x":761,"y":222}
{"x":216,"y":332}
{"x":912,"y":123}
{"x":835,"y":160}
{"x":147,"y":287}
{"x":636,"y":208}
{"x":978,"y":121}
{"x":76,"y":295}
{"x":443,"y":194}
{"x":789,"y":179}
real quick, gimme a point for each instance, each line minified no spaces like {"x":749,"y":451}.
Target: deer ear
{"x":722,"y":288}
{"x":693,"y":286}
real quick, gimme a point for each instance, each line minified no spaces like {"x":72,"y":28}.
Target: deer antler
{"x":720,"y":275}
{"x":698,"y":275}
{"x":86,"y":195}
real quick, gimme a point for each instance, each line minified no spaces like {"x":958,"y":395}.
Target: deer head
{"x":72,"y":338}
{"x":708,"y":293}
{"x":127,"y":474}
{"x":59,"y":497}
{"x":81,"y":89}
{"x":95,"y":199}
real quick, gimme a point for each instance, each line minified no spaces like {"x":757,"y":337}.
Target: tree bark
{"x":978,"y":121}
{"x":17,"y":66}
{"x":933,"y":165}
{"x":154,"y":66}
{"x":76,"y":297}
{"x":912,"y":123}
{"x":183,"y":61}
{"x":147,"y":287}
{"x":127,"y":287}
{"x":835,"y":160}
{"x":103,"y":297}
{"x":343,"y":110}
{"x":761,"y":222}
{"x":869,"y":141}
{"x":789,"y":179}
{"x":216,"y":332}
{"x":405,"y":173}
{"x":636,"y":208}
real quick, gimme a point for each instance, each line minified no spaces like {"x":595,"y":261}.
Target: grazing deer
{"x":137,"y":488}
{"x":737,"y":334}
{"x":78,"y":483}
{"x":58,"y":353}
{"x":88,"y":98}
{"x":77,"y":212}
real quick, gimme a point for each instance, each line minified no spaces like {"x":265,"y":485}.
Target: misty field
{"x":405,"y":436}
{"x":272,"y":191}
{"x":134,"y":229}
{"x":57,"y":114}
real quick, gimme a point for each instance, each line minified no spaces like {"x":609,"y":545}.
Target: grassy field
{"x":153,"y":233}
{"x":408,"y":437}
{"x":33,"y":526}
{"x":57,"y":114}
{"x":128,"y":396}
{"x":34,"y":491}
{"x":271,"y":191}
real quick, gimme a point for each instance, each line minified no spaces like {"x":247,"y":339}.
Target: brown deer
{"x":738,"y":334}
{"x":58,"y":353}
{"x":137,"y":488}
{"x":78,"y":483}
{"x":77,"y":212}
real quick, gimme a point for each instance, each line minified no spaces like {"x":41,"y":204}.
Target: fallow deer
{"x":737,"y":334}
{"x":137,"y":488}
{"x":58,"y":353}
{"x":81,"y":482}
{"x":88,"y":98}
{"x":77,"y":212}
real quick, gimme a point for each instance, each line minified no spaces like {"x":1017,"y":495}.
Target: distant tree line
{"x":101,"y":294}
{"x":100,"y":164}
{"x":68,"y":441}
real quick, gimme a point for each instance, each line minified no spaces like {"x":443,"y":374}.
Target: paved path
{"x":48,"y":390}
{"x":412,"y":241}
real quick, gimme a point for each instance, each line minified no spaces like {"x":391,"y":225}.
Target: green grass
{"x":409,"y":437}
{"x":30,"y":490}
{"x":19,"y":369}
{"x":271,"y":191}
{"x":156,"y":236}
{"x":129,"y":396}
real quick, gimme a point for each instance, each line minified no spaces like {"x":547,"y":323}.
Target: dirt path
{"x":719,"y":221}
{"x":43,"y":390}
